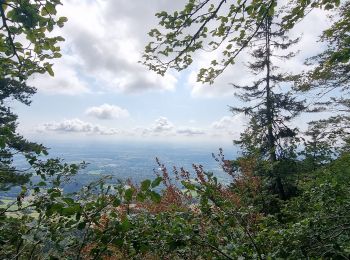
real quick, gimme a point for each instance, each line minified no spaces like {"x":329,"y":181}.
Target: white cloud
{"x":66,"y":80}
{"x":164,"y":127}
{"x":77,"y":126}
{"x":189,"y":131}
{"x":73,"y":125}
{"x":162,"y":124}
{"x":160,"y":127}
{"x":229,"y":125}
{"x":107,"y":111}
{"x":96,"y":50}
{"x":223,"y":123}
{"x":105,"y":41}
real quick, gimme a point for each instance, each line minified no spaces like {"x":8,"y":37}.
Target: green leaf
{"x":141,"y":197}
{"x":156,"y":182}
{"x":2,"y":142}
{"x":155,"y":197}
{"x":69,"y":201}
{"x":71,"y":210}
{"x":81,"y":225}
{"x":50,"y":8}
{"x":42,"y":183}
{"x":57,"y":55}
{"x":50,"y":71}
{"x":50,"y":25}
{"x":54,"y":208}
{"x":145,"y":185}
{"x":188,"y":185}
{"x":44,"y":12}
{"x":116,"y":202}
{"x":125,"y":224}
{"x":128,"y":194}
{"x":61,"y":21}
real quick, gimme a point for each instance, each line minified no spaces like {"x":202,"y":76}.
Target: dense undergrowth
{"x":190,"y":216}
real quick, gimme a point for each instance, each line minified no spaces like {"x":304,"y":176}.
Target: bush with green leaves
{"x":190,"y":216}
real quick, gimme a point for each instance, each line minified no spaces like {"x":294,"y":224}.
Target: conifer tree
{"x":269,"y":103}
{"x":13,"y":143}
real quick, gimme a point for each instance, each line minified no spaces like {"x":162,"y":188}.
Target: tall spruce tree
{"x":269,"y":103}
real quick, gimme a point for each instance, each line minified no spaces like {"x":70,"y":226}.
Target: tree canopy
{"x":226,"y":27}
{"x":26,"y":42}
{"x":26,"y":47}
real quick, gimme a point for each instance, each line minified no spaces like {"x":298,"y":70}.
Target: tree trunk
{"x":270,"y":113}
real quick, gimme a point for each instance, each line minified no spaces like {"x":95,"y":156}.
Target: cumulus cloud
{"x":97,"y":57}
{"x":229,"y":125}
{"x":164,"y":127}
{"x":66,"y":80}
{"x":190,"y":131}
{"x":224,"y":122}
{"x":107,"y":111}
{"x":226,"y":126}
{"x":123,"y":47}
{"x":160,"y":127}
{"x":77,"y":126}
{"x":162,"y":124}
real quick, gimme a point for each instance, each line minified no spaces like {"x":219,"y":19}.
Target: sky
{"x":101,"y":92}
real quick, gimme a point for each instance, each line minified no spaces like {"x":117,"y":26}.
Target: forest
{"x":289,"y":190}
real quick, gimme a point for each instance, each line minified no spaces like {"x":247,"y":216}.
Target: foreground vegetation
{"x":204,"y":220}
{"x":288,"y":197}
